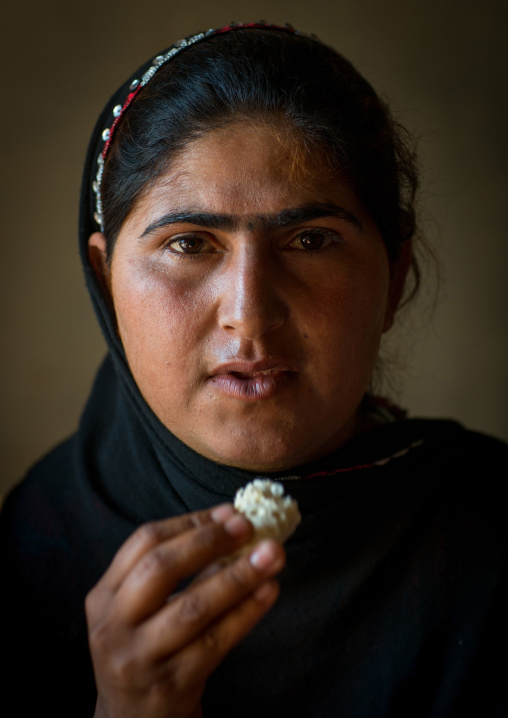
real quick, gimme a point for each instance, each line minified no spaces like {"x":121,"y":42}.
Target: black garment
{"x":393,"y":601}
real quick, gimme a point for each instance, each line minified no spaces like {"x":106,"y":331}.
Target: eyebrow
{"x":265,"y":222}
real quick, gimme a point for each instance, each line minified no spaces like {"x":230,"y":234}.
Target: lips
{"x":252,"y":380}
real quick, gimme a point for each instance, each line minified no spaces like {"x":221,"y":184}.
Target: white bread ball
{"x":272,"y":514}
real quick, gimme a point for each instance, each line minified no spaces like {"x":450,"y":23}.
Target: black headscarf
{"x":393,"y":600}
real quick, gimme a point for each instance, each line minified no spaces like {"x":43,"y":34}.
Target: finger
{"x":147,"y":587}
{"x":190,"y":613}
{"x":194,"y":664}
{"x":213,"y":568}
{"x":151,"y":534}
{"x":210,"y":570}
{"x":144,"y":539}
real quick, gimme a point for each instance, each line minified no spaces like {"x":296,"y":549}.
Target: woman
{"x":247,"y":230}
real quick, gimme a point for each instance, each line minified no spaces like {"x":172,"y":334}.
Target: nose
{"x":251,"y":302}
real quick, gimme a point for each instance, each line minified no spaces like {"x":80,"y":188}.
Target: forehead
{"x":247,"y":168}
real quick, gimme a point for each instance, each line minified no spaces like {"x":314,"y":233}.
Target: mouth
{"x":252,"y":381}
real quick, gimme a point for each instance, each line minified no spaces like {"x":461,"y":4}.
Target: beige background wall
{"x":443,"y":64}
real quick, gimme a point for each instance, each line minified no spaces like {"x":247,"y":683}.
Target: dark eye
{"x":313,"y":240}
{"x":191,"y":244}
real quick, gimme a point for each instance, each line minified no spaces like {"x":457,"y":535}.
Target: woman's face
{"x":251,"y":290}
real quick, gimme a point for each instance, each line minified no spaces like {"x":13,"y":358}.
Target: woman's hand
{"x":153,"y":651}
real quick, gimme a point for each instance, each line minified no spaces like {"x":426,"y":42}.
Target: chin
{"x":266,"y":455}
{"x":264,"y":444}
{"x":250,"y":453}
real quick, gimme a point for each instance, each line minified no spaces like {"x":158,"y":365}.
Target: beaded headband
{"x":135,"y":86}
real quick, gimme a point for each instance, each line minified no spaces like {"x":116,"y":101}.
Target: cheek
{"x":349,"y":327}
{"x":159,"y":319}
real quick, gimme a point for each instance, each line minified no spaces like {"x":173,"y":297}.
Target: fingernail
{"x":221,"y":513}
{"x":263,"y":555}
{"x":237,"y":525}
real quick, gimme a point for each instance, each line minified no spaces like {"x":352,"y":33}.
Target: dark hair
{"x":263,"y":74}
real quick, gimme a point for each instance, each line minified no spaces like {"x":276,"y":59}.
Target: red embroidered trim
{"x":269,"y":26}
{"x":125,"y":105}
{"x":380,"y":462}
